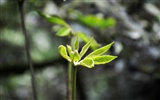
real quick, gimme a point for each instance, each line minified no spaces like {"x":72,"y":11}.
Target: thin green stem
{"x":71,"y":78}
{"x":74,"y":82}
{"x":72,"y":70}
{"x":70,"y":81}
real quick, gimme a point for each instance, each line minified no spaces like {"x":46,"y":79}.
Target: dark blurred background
{"x":134,"y":75}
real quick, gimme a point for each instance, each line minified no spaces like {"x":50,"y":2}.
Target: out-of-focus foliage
{"x":134,"y":26}
{"x":53,"y":19}
{"x":85,"y":38}
{"x":96,"y":21}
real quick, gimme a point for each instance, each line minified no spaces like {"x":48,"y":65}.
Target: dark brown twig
{"x":20,"y":5}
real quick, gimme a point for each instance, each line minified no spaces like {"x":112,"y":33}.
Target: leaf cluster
{"x":94,"y":58}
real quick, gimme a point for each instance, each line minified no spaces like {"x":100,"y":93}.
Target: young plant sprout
{"x":94,"y":58}
{"x":71,"y":52}
{"x":72,"y":55}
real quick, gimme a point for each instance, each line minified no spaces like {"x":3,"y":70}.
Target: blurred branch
{"x":7,"y":70}
{"x":27,"y":48}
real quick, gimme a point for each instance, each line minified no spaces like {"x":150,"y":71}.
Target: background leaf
{"x":107,"y":22}
{"x":64,"y":31}
{"x":53,"y":19}
{"x":85,"y":38}
{"x":95,"y":20}
{"x":90,"y":20}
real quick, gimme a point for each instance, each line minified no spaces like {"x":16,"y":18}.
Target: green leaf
{"x":96,"y":21}
{"x":63,"y":52}
{"x":90,"y":20}
{"x":76,"y":44}
{"x":56,"y":28}
{"x":100,"y":51}
{"x":85,"y":48}
{"x":107,"y":22}
{"x":76,"y":56}
{"x":71,"y":53}
{"x":85,"y":38}
{"x":69,"y":49}
{"x":88,"y":62}
{"x":103,"y":59}
{"x":64,"y":31}
{"x":53,"y":19}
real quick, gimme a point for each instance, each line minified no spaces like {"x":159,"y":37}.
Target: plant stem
{"x":74,"y":82}
{"x":20,"y":5}
{"x":71,"y":78}
{"x":72,"y":70}
{"x":70,"y":81}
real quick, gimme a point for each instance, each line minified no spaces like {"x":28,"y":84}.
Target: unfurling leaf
{"x":103,"y":59}
{"x":85,"y":48}
{"x":63,"y":52}
{"x":100,"y":51}
{"x":76,"y":44}
{"x":71,"y":53}
{"x":76,"y":56}
{"x":64,"y":31}
{"x":88,"y":62}
{"x":69,"y":49}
